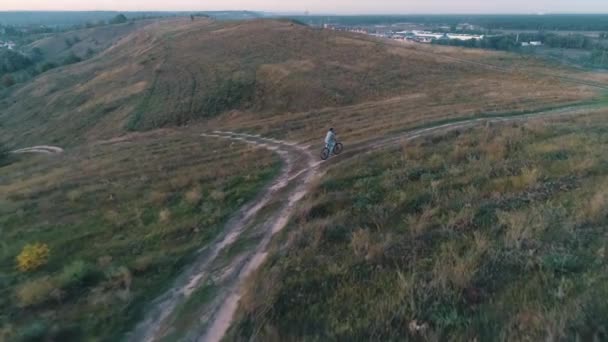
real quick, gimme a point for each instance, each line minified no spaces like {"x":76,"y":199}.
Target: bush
{"x":11,"y":61}
{"x":35,"y":331}
{"x":33,"y":256}
{"x":4,"y":155}
{"x":76,"y":274}
{"x":71,"y":59}
{"x":36,"y":292}
{"x":119,"y":19}
{"x":47,"y":66}
{"x":8,"y":81}
{"x":36,"y":55}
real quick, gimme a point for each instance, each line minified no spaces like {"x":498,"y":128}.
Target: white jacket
{"x":330,"y":137}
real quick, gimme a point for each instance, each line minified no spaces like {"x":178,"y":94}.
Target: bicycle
{"x":338,"y":147}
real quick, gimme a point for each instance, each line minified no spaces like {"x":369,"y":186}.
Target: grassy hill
{"x":120,"y":219}
{"x":91,"y":236}
{"x":85,"y":43}
{"x":177,"y":72}
{"x":491,"y":233}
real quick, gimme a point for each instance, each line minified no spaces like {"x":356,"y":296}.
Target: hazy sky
{"x":322,"y":6}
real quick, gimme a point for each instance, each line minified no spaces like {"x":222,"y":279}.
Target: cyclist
{"x":330,"y":140}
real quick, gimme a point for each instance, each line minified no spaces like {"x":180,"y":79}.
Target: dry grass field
{"x":489,"y":233}
{"x":177,"y":72}
{"x":109,"y":225}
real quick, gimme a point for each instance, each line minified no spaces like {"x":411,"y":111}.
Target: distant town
{"x":423,"y":36}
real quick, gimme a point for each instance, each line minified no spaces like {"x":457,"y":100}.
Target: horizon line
{"x":303,"y":13}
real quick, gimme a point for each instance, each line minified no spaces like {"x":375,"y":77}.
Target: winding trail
{"x":212,"y":265}
{"x":218,"y":266}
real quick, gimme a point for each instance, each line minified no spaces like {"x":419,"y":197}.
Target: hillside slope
{"x":83,"y":43}
{"x":179,"y":71}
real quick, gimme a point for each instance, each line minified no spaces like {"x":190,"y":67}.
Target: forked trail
{"x":224,"y":266}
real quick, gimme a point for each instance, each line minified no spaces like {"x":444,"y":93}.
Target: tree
{"x":71,"y":59}
{"x":47,"y":66}
{"x":11,"y":61}
{"x":36,"y":55}
{"x":8,"y":81}
{"x":5,"y":156}
{"x":119,"y":19}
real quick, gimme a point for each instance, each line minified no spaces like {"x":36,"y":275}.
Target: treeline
{"x":23,"y":35}
{"x":15,"y":66}
{"x":69,"y":19}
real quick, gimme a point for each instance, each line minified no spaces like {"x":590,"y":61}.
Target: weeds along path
{"x":201,"y":304}
{"x":456,"y":124}
{"x":44,"y":149}
{"x":221,"y":267}
{"x":222,"y":315}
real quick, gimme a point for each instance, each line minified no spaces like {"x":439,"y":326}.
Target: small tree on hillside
{"x":119,"y":19}
{"x":8,"y":81}
{"x":71,"y":59}
{"x":4,"y":155}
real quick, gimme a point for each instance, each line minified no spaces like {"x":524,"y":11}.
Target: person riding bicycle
{"x":330,"y":140}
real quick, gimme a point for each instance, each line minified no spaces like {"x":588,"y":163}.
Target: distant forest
{"x":562,"y":22}
{"x":59,"y":19}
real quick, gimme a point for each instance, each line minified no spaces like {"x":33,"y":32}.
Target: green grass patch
{"x":492,"y":232}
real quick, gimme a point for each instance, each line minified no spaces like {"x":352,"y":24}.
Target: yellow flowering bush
{"x":33,"y":256}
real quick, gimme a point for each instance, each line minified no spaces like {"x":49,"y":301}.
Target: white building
{"x":7,"y":45}
{"x":532,"y":44}
{"x":427,"y":35}
{"x":464,"y":36}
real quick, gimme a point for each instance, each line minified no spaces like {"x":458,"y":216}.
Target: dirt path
{"x":44,"y":149}
{"x":225,"y":270}
{"x":216,"y":264}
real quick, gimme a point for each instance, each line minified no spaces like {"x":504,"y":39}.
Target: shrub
{"x":71,"y":59}
{"x":360,"y":242}
{"x":33,"y":256}
{"x":11,"y":61}
{"x":193,"y":196}
{"x":164,"y":216}
{"x":595,"y":209}
{"x":36,"y":292}
{"x":119,"y":19}
{"x":8,"y":81}
{"x":4,"y":155}
{"x":76,"y":274}
{"x":35,"y":331}
{"x":47,"y":66}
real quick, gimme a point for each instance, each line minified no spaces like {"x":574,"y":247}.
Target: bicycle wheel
{"x":338,"y":148}
{"x":325,"y":153}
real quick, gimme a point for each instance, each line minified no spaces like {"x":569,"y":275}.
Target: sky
{"x":322,"y":6}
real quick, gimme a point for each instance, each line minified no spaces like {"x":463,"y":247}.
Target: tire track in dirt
{"x":44,"y":149}
{"x":280,"y":198}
